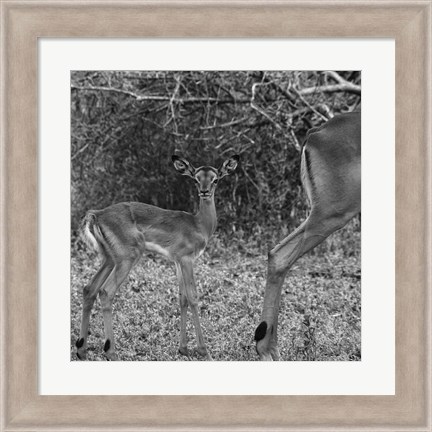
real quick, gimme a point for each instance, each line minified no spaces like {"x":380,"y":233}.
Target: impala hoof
{"x":265,"y":343}
{"x":81,"y":351}
{"x":266,"y":357}
{"x":184,"y":351}
{"x":81,"y":355}
{"x":111,"y":356}
{"x":202,"y":352}
{"x":267,"y":354}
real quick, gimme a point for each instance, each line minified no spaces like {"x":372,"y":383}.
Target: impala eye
{"x":215,"y":181}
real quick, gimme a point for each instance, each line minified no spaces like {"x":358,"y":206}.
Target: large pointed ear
{"x":183,"y":166}
{"x":229,"y":166}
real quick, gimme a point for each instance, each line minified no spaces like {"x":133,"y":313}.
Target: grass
{"x":320,"y":313}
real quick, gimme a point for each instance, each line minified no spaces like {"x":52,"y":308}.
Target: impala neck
{"x":207,"y":215}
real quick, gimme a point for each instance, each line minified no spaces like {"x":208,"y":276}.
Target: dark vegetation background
{"x":125,"y":127}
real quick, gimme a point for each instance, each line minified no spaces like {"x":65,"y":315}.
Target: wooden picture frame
{"x":23,"y":23}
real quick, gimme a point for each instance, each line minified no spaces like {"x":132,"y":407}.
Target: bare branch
{"x":79,"y":151}
{"x":335,"y":76}
{"x":341,"y":86}
{"x":294,"y":140}
{"x":308,"y":104}
{"x":260,"y":110}
{"x":224,"y":125}
{"x":139,"y":97}
{"x":311,"y":108}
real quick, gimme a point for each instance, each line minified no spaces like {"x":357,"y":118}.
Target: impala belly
{"x":174,"y":247}
{"x":176,"y":251}
{"x":154,"y":247}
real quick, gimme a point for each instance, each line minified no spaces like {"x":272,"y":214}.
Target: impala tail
{"x":92,"y":233}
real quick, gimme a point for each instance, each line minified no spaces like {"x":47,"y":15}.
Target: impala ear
{"x":229,"y":166}
{"x":183,"y":166}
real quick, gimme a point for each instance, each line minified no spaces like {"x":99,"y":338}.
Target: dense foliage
{"x":126,"y":125}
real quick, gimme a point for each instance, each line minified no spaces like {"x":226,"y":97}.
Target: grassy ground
{"x":319,"y":315}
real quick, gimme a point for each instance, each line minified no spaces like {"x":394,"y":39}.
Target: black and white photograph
{"x":215,"y":215}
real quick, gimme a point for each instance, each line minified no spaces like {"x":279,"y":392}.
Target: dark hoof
{"x":79,"y":343}
{"x":261,"y":331}
{"x":266,"y":346}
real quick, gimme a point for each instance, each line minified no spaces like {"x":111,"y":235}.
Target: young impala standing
{"x":122,"y":232}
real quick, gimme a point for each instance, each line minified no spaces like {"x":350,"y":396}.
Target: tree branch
{"x":139,"y":97}
{"x":224,"y":125}
{"x":308,"y":104}
{"x":332,"y":88}
{"x":342,"y":86}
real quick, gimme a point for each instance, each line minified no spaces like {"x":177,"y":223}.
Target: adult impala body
{"x":122,"y":232}
{"x":330,"y":173}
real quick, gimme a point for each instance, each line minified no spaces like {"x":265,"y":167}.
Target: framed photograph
{"x":189,"y":189}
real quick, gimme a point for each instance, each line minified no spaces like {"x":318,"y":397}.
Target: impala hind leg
{"x":183,"y":349}
{"x":106,"y":295}
{"x":309,"y":234}
{"x":89,"y":295}
{"x":192,"y":299}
